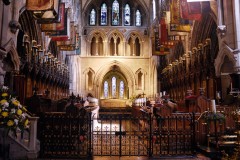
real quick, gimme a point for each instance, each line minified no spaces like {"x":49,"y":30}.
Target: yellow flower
{"x":4,"y":114}
{"x":16,"y":103}
{"x":3,"y":101}
{"x":24,"y":109}
{"x":10,"y":123}
{"x":19,"y":112}
{"x":4,"y":94}
{"x":26,"y":122}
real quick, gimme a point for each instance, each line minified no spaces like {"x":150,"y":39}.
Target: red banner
{"x":163,"y":31}
{"x":52,"y":27}
{"x":190,"y":11}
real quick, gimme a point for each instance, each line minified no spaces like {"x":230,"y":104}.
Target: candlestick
{"x":213,"y":106}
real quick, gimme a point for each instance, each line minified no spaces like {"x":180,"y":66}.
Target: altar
{"x":114,"y":103}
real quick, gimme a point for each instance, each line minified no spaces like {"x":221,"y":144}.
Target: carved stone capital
{"x":221,"y":30}
{"x":14,"y":26}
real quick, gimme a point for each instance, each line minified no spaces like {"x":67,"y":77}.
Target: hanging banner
{"x":45,"y":11}
{"x":180,"y":28}
{"x":175,"y":11}
{"x":63,"y":35}
{"x":71,"y":43}
{"x":190,"y":11}
{"x":159,"y":49}
{"x":176,"y":22}
{"x":163,"y":31}
{"x":53,"y":27}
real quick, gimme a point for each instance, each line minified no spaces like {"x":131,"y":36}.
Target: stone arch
{"x":129,"y":75}
{"x":140,"y":78}
{"x":89,"y":74}
{"x":116,"y":43}
{"x":137,"y":46}
{"x":11,"y":49}
{"x":94,"y":32}
{"x":116,"y":32}
{"x":98,"y":34}
{"x":225,"y":51}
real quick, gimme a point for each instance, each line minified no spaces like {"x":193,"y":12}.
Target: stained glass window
{"x":138,"y":18}
{"x":154,"y":9}
{"x":104,"y":14}
{"x":114,"y":87}
{"x":127,"y":15}
{"x":115,"y":13}
{"x":105,"y":89}
{"x":93,"y":17}
{"x":121,"y":87}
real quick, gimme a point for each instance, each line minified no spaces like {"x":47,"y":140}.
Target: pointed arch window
{"x":105,"y":89}
{"x":127,"y":15}
{"x":92,"y":20}
{"x":121,"y":89}
{"x":104,"y":14}
{"x":115,"y":13}
{"x":138,"y":18}
{"x":154,"y":9}
{"x":114,"y":87}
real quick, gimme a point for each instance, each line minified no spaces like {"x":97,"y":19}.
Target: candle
{"x":213,"y":106}
{"x":160,"y":94}
{"x":164,"y":92}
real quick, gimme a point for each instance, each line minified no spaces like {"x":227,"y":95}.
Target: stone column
{"x":3,"y":54}
{"x":133,"y":44}
{"x":115,"y":47}
{"x":236,"y":13}
{"x":97,"y":47}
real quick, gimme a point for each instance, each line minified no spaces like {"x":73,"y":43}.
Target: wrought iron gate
{"x":120,"y":135}
{"x":146,"y":135}
{"x":65,"y":136}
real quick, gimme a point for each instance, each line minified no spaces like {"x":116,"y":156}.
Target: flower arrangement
{"x":12,"y":114}
{"x":211,"y":116}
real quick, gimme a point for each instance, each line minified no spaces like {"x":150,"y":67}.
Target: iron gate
{"x":65,"y":136}
{"x":145,"y":135}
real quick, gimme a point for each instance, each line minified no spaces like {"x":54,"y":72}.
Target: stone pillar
{"x":97,"y":48}
{"x":134,"y":48}
{"x":236,"y":14}
{"x":115,"y":47}
{"x":3,"y":54}
{"x":33,"y":153}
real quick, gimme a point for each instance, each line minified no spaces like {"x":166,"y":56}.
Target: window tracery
{"x":115,"y":13}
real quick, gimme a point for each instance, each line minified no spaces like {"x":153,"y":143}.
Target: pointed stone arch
{"x":96,"y":47}
{"x":225,"y":51}
{"x":140,"y":78}
{"x":11,"y":49}
{"x":89,"y":75}
{"x":116,"y":43}
{"x":103,"y":70}
{"x":134,"y":44}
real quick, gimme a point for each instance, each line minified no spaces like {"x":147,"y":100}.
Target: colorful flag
{"x":53,"y":27}
{"x":177,"y":23}
{"x":180,"y":28}
{"x":163,"y":31}
{"x":175,"y":11}
{"x":190,"y":11}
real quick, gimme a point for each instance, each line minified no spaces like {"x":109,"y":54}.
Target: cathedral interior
{"x":82,"y":79}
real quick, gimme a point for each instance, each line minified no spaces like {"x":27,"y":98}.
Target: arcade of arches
{"x":117,"y":50}
{"x":117,"y":40}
